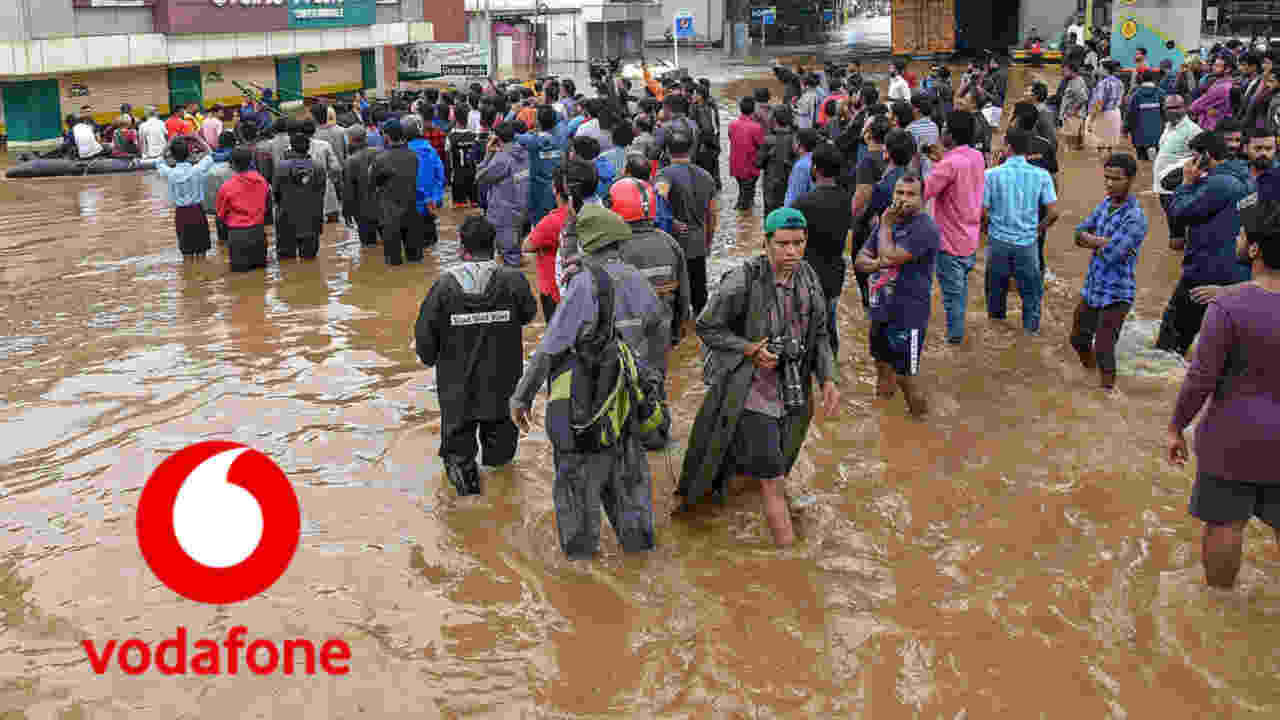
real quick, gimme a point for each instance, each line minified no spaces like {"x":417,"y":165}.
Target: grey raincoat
{"x":736,"y":316}
{"x":505,"y":177}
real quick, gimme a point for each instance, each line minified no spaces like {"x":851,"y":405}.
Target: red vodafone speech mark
{"x":282,"y":524}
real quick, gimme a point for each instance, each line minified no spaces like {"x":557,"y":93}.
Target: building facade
{"x":537,"y":34}
{"x":57,"y":56}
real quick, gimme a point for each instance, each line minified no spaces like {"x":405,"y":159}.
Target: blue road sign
{"x":769,"y":17}
{"x":684,"y":25}
{"x":828,"y":16}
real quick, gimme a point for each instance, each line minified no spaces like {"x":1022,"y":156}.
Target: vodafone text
{"x":262,"y":657}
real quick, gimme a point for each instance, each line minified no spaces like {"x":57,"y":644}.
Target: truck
{"x":946,"y":27}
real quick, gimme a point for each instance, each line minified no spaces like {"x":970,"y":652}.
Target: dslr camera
{"x":790,"y":352}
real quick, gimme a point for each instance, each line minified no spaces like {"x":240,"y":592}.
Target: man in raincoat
{"x":393,"y":173}
{"x":767,"y":312}
{"x":469,"y":329}
{"x":616,"y":476}
{"x":504,"y":175}
{"x":1144,"y":118}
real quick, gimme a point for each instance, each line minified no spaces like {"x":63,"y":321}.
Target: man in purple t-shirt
{"x":900,"y":253}
{"x":1234,"y":364}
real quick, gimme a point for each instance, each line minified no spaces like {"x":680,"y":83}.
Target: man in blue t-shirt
{"x":899,"y":254}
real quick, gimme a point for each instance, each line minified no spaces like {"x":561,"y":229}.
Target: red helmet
{"x":633,"y":199}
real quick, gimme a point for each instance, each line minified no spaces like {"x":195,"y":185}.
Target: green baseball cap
{"x":784,"y":219}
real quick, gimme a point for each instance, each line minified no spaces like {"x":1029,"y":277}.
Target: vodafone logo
{"x":218,"y":522}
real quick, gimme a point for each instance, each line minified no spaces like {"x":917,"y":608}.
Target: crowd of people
{"x":616,"y":198}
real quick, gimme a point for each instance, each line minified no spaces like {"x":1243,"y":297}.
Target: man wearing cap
{"x":617,"y":476}
{"x":652,"y":251}
{"x":765,"y":331}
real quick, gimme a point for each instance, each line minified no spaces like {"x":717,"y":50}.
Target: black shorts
{"x":1220,"y":501}
{"x":757,"y":446}
{"x":899,"y":347}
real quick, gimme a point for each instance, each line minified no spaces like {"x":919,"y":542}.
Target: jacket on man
{"x":505,"y":175}
{"x":738,"y":314}
{"x":1209,"y":211}
{"x":546,"y":154}
{"x":776,"y":157}
{"x":358,"y":198}
{"x":660,"y":258}
{"x":469,"y":329}
{"x":299,"y":187}
{"x":430,"y":179}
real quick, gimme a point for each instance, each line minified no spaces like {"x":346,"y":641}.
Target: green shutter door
{"x":288,"y":79}
{"x":32,"y":111}
{"x":184,"y":86}
{"x":368,"y":70}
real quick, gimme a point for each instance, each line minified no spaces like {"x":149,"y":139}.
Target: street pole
{"x":675,"y":41}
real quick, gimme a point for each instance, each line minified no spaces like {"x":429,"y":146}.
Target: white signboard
{"x":428,"y":61}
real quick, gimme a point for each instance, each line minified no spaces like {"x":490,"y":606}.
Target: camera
{"x":790,"y":352}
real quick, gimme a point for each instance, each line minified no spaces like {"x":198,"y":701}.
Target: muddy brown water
{"x":1025,"y":553}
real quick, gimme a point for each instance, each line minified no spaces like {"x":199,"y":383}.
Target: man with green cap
{"x":600,"y":284}
{"x":765,"y":330}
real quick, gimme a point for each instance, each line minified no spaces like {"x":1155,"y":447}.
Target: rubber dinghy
{"x":57,"y":167}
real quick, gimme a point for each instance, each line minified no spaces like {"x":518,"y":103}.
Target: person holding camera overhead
{"x":765,"y":331}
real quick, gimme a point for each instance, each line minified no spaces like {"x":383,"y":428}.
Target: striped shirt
{"x":1012,"y":195}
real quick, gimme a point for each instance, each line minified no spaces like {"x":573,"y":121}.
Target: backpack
{"x":609,"y":395}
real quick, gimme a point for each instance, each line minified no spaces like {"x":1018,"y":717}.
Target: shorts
{"x":899,"y":347}
{"x":757,"y":446}
{"x":1220,"y":501}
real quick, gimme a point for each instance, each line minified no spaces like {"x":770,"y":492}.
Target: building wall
{"x":105,"y":21}
{"x":335,"y":72}
{"x":52,"y":18}
{"x":448,"y":18}
{"x":109,"y":89}
{"x":13,"y":20}
{"x":1047,"y":16}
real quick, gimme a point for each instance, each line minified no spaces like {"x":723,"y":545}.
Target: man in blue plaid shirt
{"x":1114,"y":231}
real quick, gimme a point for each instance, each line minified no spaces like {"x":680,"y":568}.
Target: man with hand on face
{"x":1114,"y":232}
{"x":469,"y":328}
{"x":765,"y":331}
{"x":1207,"y":205}
{"x":505,"y":172}
{"x":900,"y":253}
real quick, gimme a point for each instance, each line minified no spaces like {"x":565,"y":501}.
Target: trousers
{"x":498,"y":440}
{"x":697,"y":284}
{"x":746,"y":192}
{"x":1181,"y":321}
{"x":1007,"y":261}
{"x":1098,"y":329}
{"x":616,"y":480}
{"x":404,"y":231}
{"x":953,"y":281}
{"x":508,"y":242}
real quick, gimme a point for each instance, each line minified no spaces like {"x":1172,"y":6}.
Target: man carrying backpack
{"x":675,"y":119}
{"x":604,"y":338}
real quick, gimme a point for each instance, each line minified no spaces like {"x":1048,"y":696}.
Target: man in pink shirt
{"x":211,"y":128}
{"x":745,"y":137}
{"x":955,"y":186}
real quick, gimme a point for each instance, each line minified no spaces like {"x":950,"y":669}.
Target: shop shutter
{"x":288,"y":79}
{"x":32,"y":111}
{"x":368,"y":70}
{"x":184,"y":86}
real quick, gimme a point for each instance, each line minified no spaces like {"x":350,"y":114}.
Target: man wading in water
{"x":765,"y":331}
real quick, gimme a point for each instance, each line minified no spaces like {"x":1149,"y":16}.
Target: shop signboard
{"x":428,"y":61}
{"x":230,"y":16}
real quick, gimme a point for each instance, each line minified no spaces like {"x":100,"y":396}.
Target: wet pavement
{"x":1026,"y":552}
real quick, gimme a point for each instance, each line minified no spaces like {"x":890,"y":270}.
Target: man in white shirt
{"x":151,"y":135}
{"x":87,"y":144}
{"x":898,"y":87}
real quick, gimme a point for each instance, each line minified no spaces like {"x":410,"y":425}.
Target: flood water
{"x":1024,"y":553}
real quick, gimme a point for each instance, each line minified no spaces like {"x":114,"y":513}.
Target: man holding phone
{"x":899,"y":253}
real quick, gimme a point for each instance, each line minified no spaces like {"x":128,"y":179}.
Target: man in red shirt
{"x":746,"y":135}
{"x":242,"y":208}
{"x":175,"y":125}
{"x":544,"y":241}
